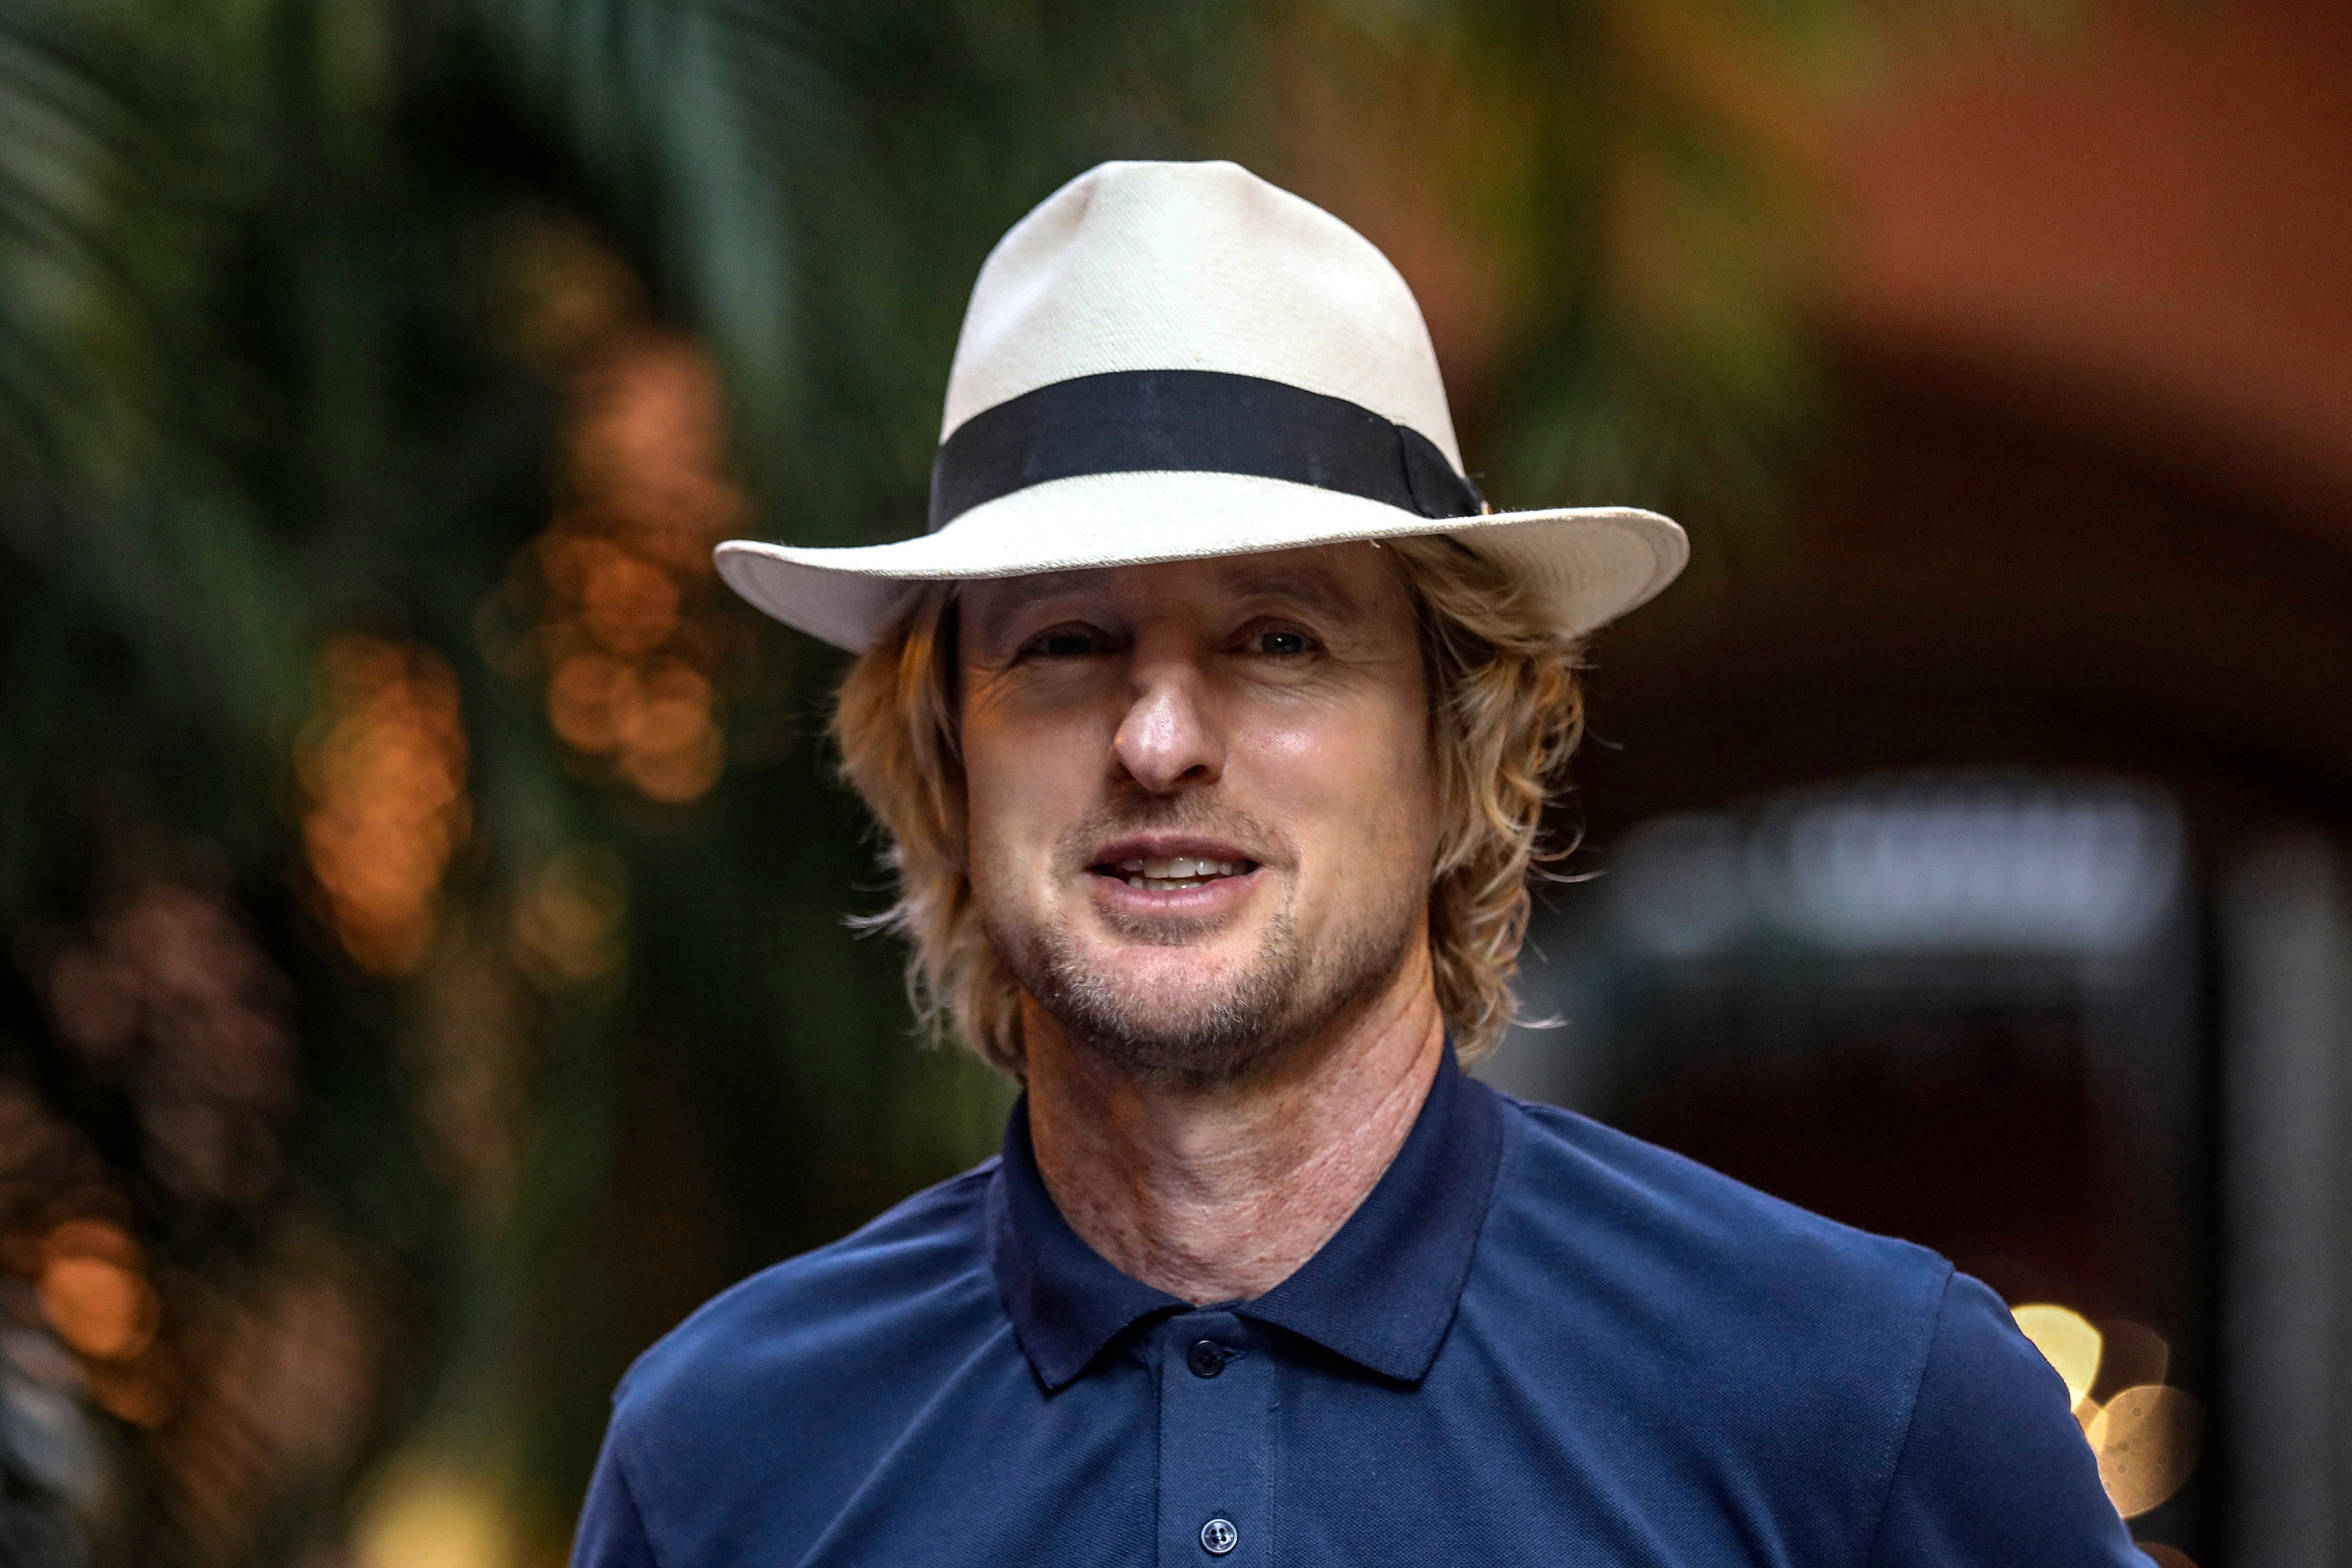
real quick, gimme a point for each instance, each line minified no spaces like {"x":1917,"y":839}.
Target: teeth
{"x":1179,"y":868}
{"x":1161,"y":874}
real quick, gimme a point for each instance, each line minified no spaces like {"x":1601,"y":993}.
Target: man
{"x":1212,"y":726}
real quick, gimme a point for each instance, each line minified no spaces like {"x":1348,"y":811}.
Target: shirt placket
{"x":1216,"y":1435}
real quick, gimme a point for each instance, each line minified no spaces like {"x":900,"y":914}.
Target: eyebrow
{"x":1029,"y":587}
{"x":1310,"y":585}
{"x":1242,"y":577}
{"x":1019,"y":594}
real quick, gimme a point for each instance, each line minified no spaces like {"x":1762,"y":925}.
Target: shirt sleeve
{"x":1994,"y":1472}
{"x":610,"y":1534}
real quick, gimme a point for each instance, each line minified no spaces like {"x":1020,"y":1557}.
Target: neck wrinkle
{"x":1219,"y":1194}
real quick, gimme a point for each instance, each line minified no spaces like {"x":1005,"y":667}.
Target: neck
{"x":1220,"y":1194}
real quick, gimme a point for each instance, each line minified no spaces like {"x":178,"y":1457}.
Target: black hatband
{"x":1195,"y":421}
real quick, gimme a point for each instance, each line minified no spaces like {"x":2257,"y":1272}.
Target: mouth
{"x":1172,"y":869}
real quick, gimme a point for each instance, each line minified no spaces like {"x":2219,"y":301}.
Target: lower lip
{"x":1211,"y":897}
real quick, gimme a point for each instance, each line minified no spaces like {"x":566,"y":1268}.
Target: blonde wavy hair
{"x":1507,"y":709}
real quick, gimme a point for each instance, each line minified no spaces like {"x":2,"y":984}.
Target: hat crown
{"x":1157,"y":265}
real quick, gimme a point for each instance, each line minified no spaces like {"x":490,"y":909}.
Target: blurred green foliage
{"x":321,"y":322}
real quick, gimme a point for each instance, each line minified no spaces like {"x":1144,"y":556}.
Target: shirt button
{"x":1206,"y":1358}
{"x":1219,"y":1537}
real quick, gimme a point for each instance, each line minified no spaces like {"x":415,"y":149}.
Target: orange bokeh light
{"x":568,"y":923}
{"x":628,"y":655}
{"x":93,"y":1292}
{"x":383,"y":768}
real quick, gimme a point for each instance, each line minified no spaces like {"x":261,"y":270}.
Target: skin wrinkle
{"x":1212,"y":1094}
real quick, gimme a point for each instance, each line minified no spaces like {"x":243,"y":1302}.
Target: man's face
{"x":1202,"y":807}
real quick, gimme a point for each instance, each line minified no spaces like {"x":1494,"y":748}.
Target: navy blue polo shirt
{"x":1536,"y":1341}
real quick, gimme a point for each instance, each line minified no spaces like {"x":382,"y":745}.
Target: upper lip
{"x":1169,"y":846}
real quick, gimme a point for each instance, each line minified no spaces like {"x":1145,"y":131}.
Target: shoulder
{"x":1886,"y":1404}
{"x":757,"y":1415}
{"x":1993,"y":1467}
{"x":906,"y":1285}
{"x":1748,"y":1345}
{"x":1575,"y":1187}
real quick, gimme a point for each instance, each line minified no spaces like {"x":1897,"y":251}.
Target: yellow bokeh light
{"x":431,"y":1517}
{"x":2147,"y":1440}
{"x":2067,"y":1342}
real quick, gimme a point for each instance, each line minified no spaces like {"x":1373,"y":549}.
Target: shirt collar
{"x":1381,"y":1292}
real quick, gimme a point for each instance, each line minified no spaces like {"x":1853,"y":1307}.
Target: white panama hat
{"x":1165,"y":362}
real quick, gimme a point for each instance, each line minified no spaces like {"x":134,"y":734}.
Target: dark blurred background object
{"x":427,"y":976}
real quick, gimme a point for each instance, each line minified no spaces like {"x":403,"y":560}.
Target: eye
{"x":1062,"y":642}
{"x":1282,"y":644}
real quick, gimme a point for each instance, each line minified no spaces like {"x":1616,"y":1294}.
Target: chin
{"x":1178,"y":991}
{"x":1195,"y":1009}
{"x":1174,"y":969}
{"x":1192,"y":1013}
{"x":1177,"y":1007}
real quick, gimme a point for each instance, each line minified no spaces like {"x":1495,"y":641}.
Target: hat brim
{"x":1585,"y":565}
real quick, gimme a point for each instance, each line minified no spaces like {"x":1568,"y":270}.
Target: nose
{"x":1166,"y":740}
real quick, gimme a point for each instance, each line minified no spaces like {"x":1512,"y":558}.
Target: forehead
{"x":1352,"y":582}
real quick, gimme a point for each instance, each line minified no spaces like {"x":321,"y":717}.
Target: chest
{"x":1213,"y":1443}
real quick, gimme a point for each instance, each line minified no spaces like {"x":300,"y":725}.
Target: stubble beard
{"x":1218,"y":1030}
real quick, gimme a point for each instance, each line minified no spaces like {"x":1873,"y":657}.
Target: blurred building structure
{"x":2081,"y":542}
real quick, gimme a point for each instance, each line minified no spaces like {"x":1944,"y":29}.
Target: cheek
{"x":1355,"y":771}
{"x":1022,"y":787}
